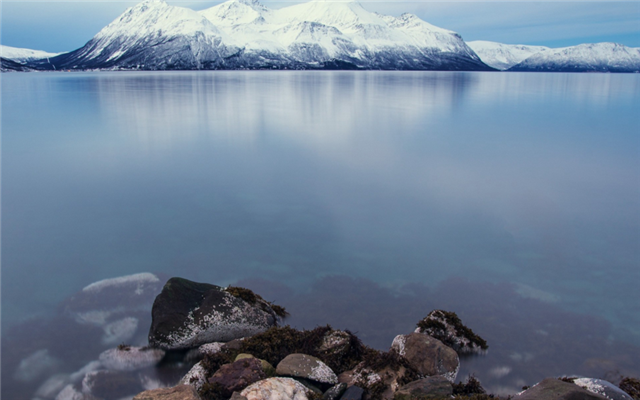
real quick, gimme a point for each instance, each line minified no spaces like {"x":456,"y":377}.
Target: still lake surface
{"x":360,"y":199}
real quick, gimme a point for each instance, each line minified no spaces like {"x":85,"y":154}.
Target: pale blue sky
{"x":62,"y":26}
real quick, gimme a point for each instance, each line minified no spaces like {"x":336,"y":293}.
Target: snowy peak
{"x":235,"y":12}
{"x":503,"y":56}
{"x":591,"y":57}
{"x":23,"y":55}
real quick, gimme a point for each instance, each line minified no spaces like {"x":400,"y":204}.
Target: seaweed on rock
{"x":250,"y":297}
{"x":447,"y":327}
{"x":472,"y":386}
{"x":631,"y":386}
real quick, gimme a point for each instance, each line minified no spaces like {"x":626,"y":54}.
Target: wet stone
{"x":129,"y":358}
{"x":554,"y":389}
{"x":427,"y":355}
{"x":180,"y":392}
{"x":307,"y":367}
{"x":433,"y":387}
{"x":238,"y":375}
{"x":188,"y":314}
{"x":335,"y":392}
{"x":353,"y":393}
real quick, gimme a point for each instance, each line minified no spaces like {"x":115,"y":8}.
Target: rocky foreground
{"x":208,"y":342}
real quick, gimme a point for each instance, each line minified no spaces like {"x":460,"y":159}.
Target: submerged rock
{"x":432,"y":387}
{"x":427,"y":355}
{"x":112,"y":299}
{"x":71,"y":393}
{"x":449,"y":329}
{"x":52,"y":386}
{"x":111,"y":384}
{"x":180,"y":392}
{"x":307,"y":367}
{"x":120,"y":331}
{"x":35,"y":365}
{"x":129,"y":358}
{"x":276,"y":389}
{"x":554,"y":389}
{"x":188,"y":314}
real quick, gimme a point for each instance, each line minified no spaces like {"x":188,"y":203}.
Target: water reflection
{"x":524,"y":184}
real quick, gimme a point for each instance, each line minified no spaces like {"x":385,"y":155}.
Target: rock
{"x":52,"y":386}
{"x":554,"y":389}
{"x":196,"y":377}
{"x":335,"y":392}
{"x":266,"y":365}
{"x":180,"y":392}
{"x":119,"y":331}
{"x":187,"y":314}
{"x":427,"y":355}
{"x":353,"y":393}
{"x":112,"y":299}
{"x":308,"y":367}
{"x":631,"y":386}
{"x":449,"y":329}
{"x":90,"y":367}
{"x":238,"y":375}
{"x":111,"y":384}
{"x":35,"y":365}
{"x":276,"y":389}
{"x":71,"y":393}
{"x":235,"y":344}
{"x":432,"y":387}
{"x":212,"y":348}
{"x":335,"y":341}
{"x":129,"y":358}
{"x":237,"y":396}
{"x":602,"y":387}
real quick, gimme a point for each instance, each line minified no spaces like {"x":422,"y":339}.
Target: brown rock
{"x":238,"y":375}
{"x":554,"y":389}
{"x":427,"y":355}
{"x":180,"y":392}
{"x":432,"y":387}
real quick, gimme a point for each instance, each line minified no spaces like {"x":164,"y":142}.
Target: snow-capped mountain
{"x":151,"y":35}
{"x":598,"y":57}
{"x":246,"y":34}
{"x":503,"y":56}
{"x":23,"y":55}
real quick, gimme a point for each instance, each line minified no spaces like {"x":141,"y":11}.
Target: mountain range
{"x":319,"y":34}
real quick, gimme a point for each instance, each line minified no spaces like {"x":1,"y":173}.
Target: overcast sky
{"x":62,"y":26}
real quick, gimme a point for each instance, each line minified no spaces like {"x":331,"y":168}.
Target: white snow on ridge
{"x":586,"y":57}
{"x":23,"y":55}
{"x":503,"y":56}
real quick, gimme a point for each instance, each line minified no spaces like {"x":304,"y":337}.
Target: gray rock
{"x":180,"y":392}
{"x":129,"y":358}
{"x":276,"y":389}
{"x":449,"y":329}
{"x":353,"y":393}
{"x":335,"y":392}
{"x":71,"y":393}
{"x":187,"y":314}
{"x":432,"y":387}
{"x":554,"y":389}
{"x":602,"y":387}
{"x":427,"y":355}
{"x":196,"y":377}
{"x":307,"y":367}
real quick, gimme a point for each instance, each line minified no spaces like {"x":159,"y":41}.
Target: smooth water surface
{"x":509,"y":198}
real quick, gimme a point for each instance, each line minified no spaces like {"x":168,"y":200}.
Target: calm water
{"x":363,"y":199}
